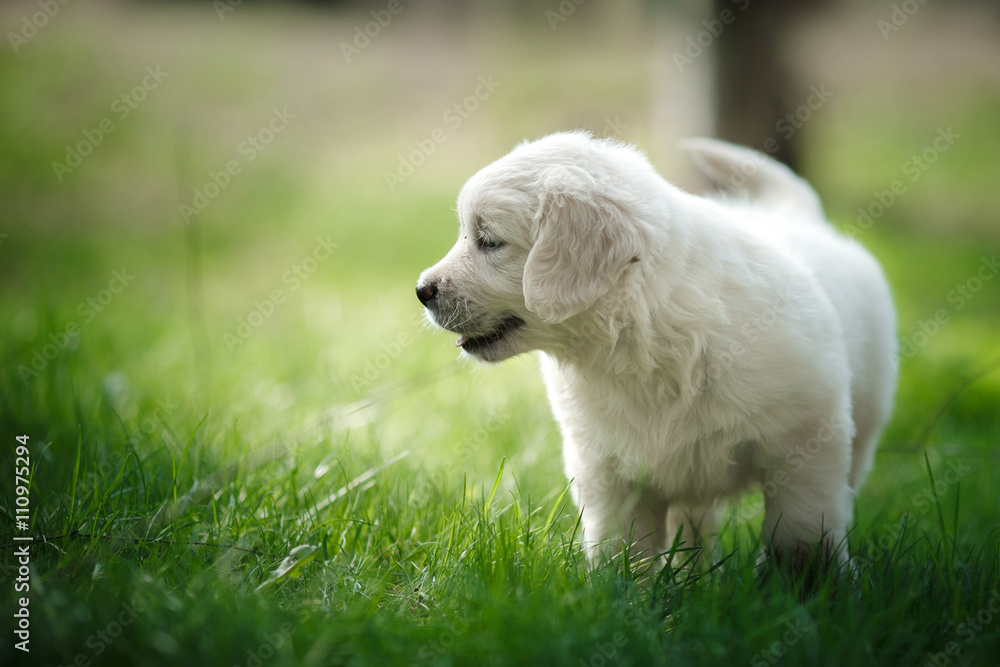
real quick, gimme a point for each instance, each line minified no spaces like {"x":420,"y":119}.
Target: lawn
{"x":202,"y":400}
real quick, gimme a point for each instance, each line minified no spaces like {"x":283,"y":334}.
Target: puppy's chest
{"x":680,"y":450}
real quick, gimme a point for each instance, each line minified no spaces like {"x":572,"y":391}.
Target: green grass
{"x":174,"y":470}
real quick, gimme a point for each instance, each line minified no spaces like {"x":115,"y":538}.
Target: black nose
{"x":426,"y":292}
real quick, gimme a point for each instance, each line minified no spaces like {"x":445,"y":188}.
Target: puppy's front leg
{"x":690,"y":527}
{"x":806,"y":496}
{"x":617,"y":512}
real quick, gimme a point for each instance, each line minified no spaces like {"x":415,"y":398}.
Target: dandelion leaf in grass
{"x":291,"y":566}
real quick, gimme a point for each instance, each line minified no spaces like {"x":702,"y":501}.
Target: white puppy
{"x":691,"y":347}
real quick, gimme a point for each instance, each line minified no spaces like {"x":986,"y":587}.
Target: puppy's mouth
{"x":482,"y":345}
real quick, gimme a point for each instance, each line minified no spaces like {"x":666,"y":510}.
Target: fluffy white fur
{"x":691,"y":347}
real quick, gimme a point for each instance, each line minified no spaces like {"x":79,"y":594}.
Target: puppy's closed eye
{"x":486,"y":243}
{"x":486,"y":240}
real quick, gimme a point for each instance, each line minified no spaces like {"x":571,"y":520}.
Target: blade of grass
{"x":76,"y":477}
{"x":496,"y":484}
{"x":180,"y":464}
{"x":944,"y":529}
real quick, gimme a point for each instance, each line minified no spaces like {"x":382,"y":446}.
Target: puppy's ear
{"x":583,"y":241}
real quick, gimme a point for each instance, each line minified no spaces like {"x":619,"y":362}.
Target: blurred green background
{"x":219,"y":210}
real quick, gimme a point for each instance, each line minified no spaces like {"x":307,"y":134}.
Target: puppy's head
{"x":545,"y":234}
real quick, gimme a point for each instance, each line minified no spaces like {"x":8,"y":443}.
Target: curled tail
{"x":759,"y":177}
